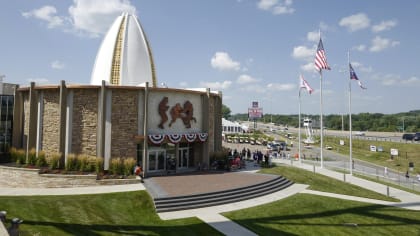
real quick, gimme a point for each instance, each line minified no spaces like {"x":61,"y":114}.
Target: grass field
{"x":408,"y":152}
{"x":305,"y":214}
{"x":322,"y":183}
{"x":130,"y":213}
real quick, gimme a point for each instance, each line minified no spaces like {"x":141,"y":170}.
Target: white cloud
{"x":57,"y":65}
{"x":246,"y":79}
{"x":217,"y":85}
{"x":302,"y":52}
{"x":86,"y":17}
{"x":360,"y":47}
{"x":222,"y":61}
{"x":355,"y":22}
{"x":313,"y":36}
{"x":46,"y":13}
{"x":281,"y":87}
{"x":276,"y":7}
{"x":384,"y":25}
{"x":253,"y":88}
{"x":309,"y":67}
{"x":411,"y":81}
{"x":94,"y":17}
{"x":266,"y":4}
{"x":380,"y":44}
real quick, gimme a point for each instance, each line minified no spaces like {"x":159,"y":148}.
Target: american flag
{"x":320,"y":59}
{"x":305,"y":85}
{"x":354,"y":76}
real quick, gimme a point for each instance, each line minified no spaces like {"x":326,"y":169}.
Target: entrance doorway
{"x":183,"y":154}
{"x":156,"y":160}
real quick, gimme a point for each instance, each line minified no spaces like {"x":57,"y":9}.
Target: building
{"x":6,"y":115}
{"x":125,"y":115}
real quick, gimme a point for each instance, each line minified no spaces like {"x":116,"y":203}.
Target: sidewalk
{"x":408,"y":200}
{"x":4,"y":191}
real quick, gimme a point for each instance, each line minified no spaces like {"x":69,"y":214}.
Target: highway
{"x":333,"y":159}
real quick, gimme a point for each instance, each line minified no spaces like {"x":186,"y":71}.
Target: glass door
{"x":183,"y":153}
{"x":156,"y":160}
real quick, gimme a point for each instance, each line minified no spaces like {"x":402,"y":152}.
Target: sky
{"x":250,"y":50}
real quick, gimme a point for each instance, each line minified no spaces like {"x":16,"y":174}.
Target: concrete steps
{"x":166,"y":204}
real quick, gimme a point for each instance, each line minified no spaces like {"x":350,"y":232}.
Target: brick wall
{"x":85,"y":121}
{"x":124,"y":121}
{"x":51,"y":121}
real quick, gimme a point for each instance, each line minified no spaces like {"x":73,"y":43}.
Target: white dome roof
{"x":124,"y":57}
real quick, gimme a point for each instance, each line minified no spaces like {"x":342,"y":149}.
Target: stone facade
{"x":26,"y":117}
{"x":30,"y":178}
{"x":85,"y":121}
{"x":51,"y":121}
{"x":124,"y":119}
{"x":111,"y":121}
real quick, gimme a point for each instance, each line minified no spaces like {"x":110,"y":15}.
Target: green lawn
{"x":130,"y":213}
{"x":305,"y":214}
{"x":322,"y":183}
{"x":408,"y":152}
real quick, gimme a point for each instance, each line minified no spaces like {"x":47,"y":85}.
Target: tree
{"x":225,"y":111}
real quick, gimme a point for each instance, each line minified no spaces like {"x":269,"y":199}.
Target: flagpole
{"x":321,"y":123}
{"x":300,"y":157}
{"x":350,"y":125}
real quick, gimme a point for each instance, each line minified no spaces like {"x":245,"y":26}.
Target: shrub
{"x":116,"y":166}
{"x":71,"y":162}
{"x":90,"y":163}
{"x":13,"y":154}
{"x":53,"y":160}
{"x":41,"y":160}
{"x":99,"y":164}
{"x":83,"y":162}
{"x":20,"y":157}
{"x":129,"y":164}
{"x":31,"y":157}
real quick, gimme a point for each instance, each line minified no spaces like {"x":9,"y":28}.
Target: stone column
{"x":217,"y":123}
{"x":206,"y":112}
{"x":17,"y":132}
{"x":145,"y":131}
{"x":62,"y":126}
{"x":100,"y":137}
{"x":33,"y":114}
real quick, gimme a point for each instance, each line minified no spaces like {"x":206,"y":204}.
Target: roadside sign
{"x":372,"y":148}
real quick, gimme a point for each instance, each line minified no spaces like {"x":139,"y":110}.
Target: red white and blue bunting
{"x":157,"y":138}
{"x":190,"y":137}
{"x":175,"y":138}
{"x":202,"y":136}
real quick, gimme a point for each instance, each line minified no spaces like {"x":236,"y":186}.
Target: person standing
{"x":138,"y":171}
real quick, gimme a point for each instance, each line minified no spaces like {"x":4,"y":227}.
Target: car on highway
{"x":360,"y":133}
{"x":416,"y":137}
{"x":408,"y":136}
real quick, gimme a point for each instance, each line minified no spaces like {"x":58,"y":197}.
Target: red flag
{"x":320,"y":59}
{"x":305,"y":85}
